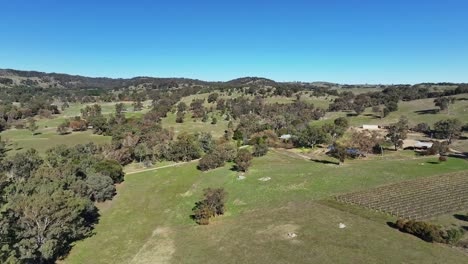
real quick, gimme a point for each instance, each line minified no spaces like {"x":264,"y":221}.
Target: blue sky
{"x":339,"y":41}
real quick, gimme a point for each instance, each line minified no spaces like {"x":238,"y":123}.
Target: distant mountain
{"x":252,"y":81}
{"x":61,"y":80}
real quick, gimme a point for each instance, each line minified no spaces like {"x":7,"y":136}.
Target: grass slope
{"x":148,"y":221}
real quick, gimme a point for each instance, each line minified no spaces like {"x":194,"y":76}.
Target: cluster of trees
{"x":430,"y":232}
{"x":48,"y":201}
{"x":387,"y":101}
{"x":212,"y":204}
{"x":12,"y":112}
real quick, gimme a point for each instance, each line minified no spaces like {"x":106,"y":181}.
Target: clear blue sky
{"x":347,"y":41}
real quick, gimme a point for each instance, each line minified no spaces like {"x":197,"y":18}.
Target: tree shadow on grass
{"x":461,"y":217}
{"x":325,"y":161}
{"x":433,"y":162}
{"x":392,"y":225}
{"x":427,"y":112}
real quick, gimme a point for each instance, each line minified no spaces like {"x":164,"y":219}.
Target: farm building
{"x":370,"y":127}
{"x":422,"y":145}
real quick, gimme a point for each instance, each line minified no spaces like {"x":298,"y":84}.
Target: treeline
{"x":48,"y":201}
{"x":388,"y":98}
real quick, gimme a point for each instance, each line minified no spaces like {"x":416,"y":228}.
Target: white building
{"x":370,"y":127}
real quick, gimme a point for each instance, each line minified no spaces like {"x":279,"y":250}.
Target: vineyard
{"x":416,"y":199}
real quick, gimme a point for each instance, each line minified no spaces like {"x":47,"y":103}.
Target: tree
{"x":110,"y":168}
{"x":339,"y":152}
{"x":212,"y":205}
{"x":141,"y":151}
{"x":212,"y":97}
{"x":63,"y":128}
{"x":442,"y":102}
{"x":100,"y":187}
{"x":210,"y":161}
{"x":23,"y":165}
{"x":439,"y":148}
{"x":181,"y":107}
{"x":391,"y":106}
{"x":120,"y":113}
{"x":185,"y":148}
{"x":311,"y":136}
{"x":32,"y":126}
{"x":3,"y":124}
{"x":206,"y":142}
{"x":180,"y":117}
{"x":358,"y":108}
{"x":260,"y":148}
{"x":3,"y":150}
{"x":43,"y":221}
{"x":137,"y":105}
{"x":448,"y":129}
{"x":398,"y":132}
{"x":214,"y":120}
{"x":365,"y":141}
{"x":243,"y":160}
{"x":422,"y":128}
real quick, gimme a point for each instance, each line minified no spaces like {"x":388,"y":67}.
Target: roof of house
{"x":420,"y":144}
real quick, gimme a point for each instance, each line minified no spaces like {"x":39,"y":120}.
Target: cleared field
{"x":191,"y":126}
{"x":418,"y":111}
{"x":418,"y":199}
{"x":321,"y":101}
{"x":148,"y":221}
{"x":47,"y":137}
{"x":23,"y":139}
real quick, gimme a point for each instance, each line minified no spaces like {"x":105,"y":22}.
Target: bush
{"x":430,"y":232}
{"x":454,"y":235}
{"x":211,"y":205}
{"x":243,"y":160}
{"x":210,"y":161}
{"x":100,"y":187}
{"x":422,"y":128}
{"x":260,"y":148}
{"x":111,"y":168}
{"x":437,"y":148}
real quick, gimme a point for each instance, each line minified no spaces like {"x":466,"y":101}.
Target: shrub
{"x":424,"y":230}
{"x":437,"y":148}
{"x":211,"y":205}
{"x":111,"y":168}
{"x":260,"y":148}
{"x":422,"y":128}
{"x":210,"y":161}
{"x":243,"y":160}
{"x":454,"y":235}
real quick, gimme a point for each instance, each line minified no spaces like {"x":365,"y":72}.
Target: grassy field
{"x":148,"y":221}
{"x":47,"y":137}
{"x":22,"y":139}
{"x":417,"y":111}
{"x":191,"y":126}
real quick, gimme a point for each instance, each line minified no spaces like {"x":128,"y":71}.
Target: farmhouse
{"x":422,"y":145}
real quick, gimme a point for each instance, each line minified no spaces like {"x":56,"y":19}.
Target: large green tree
{"x":448,"y":129}
{"x":398,"y":132}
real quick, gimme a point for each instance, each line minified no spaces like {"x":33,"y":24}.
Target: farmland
{"x":418,"y":199}
{"x":157,"y":228}
{"x":295,"y":199}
